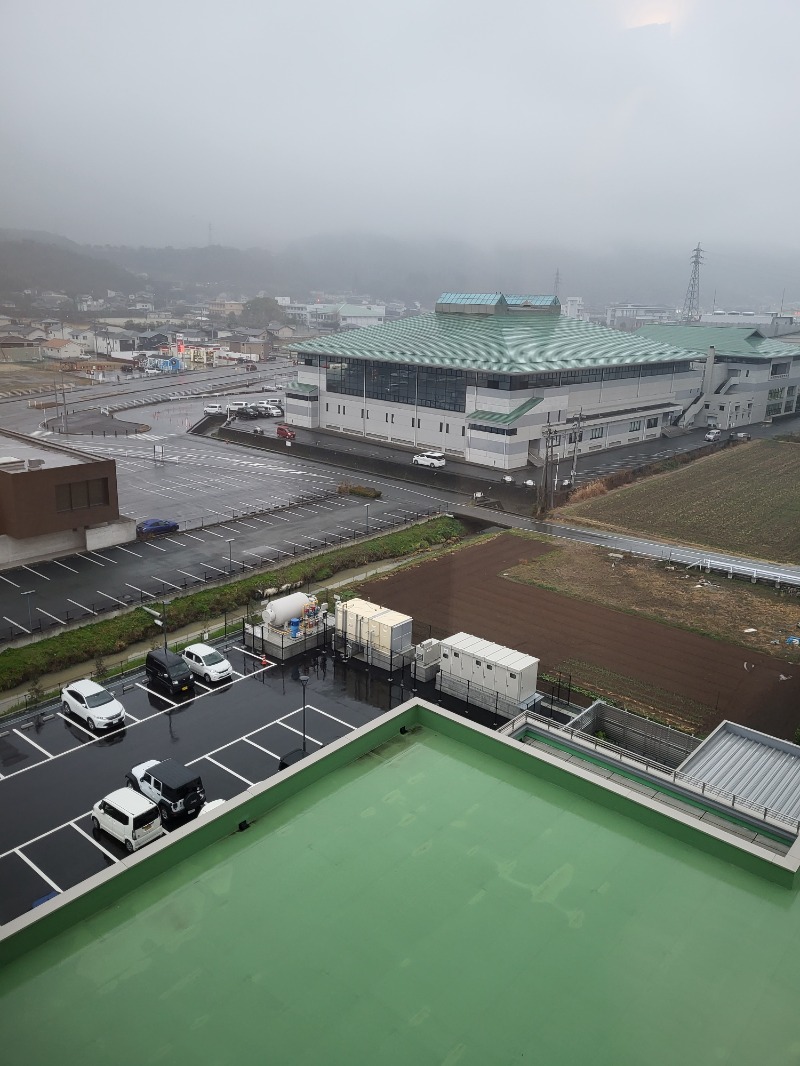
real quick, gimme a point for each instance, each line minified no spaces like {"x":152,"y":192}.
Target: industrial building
{"x":494,"y":379}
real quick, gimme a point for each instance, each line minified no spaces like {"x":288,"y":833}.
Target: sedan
{"x":207,"y":662}
{"x":156,"y":527}
{"x":93,"y":703}
{"x":429,"y":459}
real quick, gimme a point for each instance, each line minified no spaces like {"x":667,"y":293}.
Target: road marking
{"x":187,"y":574}
{"x":240,"y":562}
{"x":292,"y":728}
{"x":114,"y":598}
{"x":206,"y":688}
{"x":242,"y":522}
{"x":11,"y":620}
{"x":158,"y":695}
{"x":261,"y":747}
{"x":270,"y":548}
{"x":59,"y":563}
{"x":164,"y":581}
{"x":252,"y":655}
{"x":335,"y":719}
{"x":120,"y":548}
{"x":16,"y":586}
{"x":191,"y":537}
{"x":87,"y":609}
{"x":156,"y":546}
{"x":32,"y":571}
{"x":36,"y":869}
{"x":230,"y":529}
{"x":77,"y":725}
{"x":33,"y":742}
{"x":99,"y":556}
{"x":212,"y":567}
{"x":227,"y":769}
{"x":88,"y":560}
{"x":180,"y":543}
{"x":93,"y":841}
{"x":244,"y":551}
{"x":41,"y":610}
{"x":213,"y":534}
{"x":143,"y":592}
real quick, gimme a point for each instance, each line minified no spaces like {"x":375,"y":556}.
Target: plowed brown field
{"x":655,"y":669}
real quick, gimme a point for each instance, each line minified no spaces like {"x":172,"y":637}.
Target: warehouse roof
{"x":727,"y":340}
{"x":515,"y":343}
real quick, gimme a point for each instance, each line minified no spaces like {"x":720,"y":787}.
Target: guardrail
{"x":778,"y":578}
{"x":663,"y":774}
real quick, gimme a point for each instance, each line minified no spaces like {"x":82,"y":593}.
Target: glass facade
{"x":438,"y":387}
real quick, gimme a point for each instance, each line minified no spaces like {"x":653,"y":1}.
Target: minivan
{"x":169,"y":670}
{"x":129,"y":817}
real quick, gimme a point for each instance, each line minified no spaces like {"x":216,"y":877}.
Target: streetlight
{"x":366,"y":508}
{"x":29,"y":593}
{"x":230,"y":541}
{"x":304,"y":681}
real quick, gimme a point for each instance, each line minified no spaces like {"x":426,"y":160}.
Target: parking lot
{"x":54,"y":769}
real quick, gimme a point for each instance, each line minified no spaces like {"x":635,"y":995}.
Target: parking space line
{"x":241,"y":562}
{"x":11,"y":620}
{"x":292,"y":728}
{"x":212,"y":567}
{"x":246,"y":552}
{"x":60,"y":621}
{"x":120,"y":548}
{"x":249,"y":526}
{"x":33,"y":742}
{"x":281,"y":550}
{"x":230,"y":529}
{"x":32,"y":571}
{"x":16,"y":586}
{"x":251,"y":654}
{"x":206,"y":688}
{"x":114,"y":598}
{"x":227,"y":769}
{"x":87,"y":559}
{"x":91,"y":838}
{"x":187,"y":574}
{"x":99,"y":556}
{"x":156,"y":546}
{"x":36,"y":869}
{"x":180,"y":543}
{"x":144,"y":688}
{"x":332,"y":717}
{"x":132,"y":717}
{"x":143,"y":592}
{"x":213,"y":534}
{"x":88,"y":609}
{"x":164,"y":581}
{"x":191,"y":537}
{"x":77,"y":725}
{"x":238,"y":674}
{"x":261,"y":747}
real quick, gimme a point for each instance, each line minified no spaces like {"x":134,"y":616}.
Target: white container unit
{"x":389,"y":632}
{"x":486,"y":674}
{"x":352,"y":617}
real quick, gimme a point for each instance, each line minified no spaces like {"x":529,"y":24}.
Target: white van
{"x":151,"y":372}
{"x":129,"y":817}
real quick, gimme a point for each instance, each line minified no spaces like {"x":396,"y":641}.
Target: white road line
{"x":114,"y":598}
{"x":33,"y":742}
{"x":205,"y":688}
{"x":165,"y":582}
{"x":132,"y":717}
{"x":244,"y":551}
{"x":261,"y":747}
{"x":120,"y":548}
{"x":270,"y":548}
{"x":93,"y":841}
{"x":238,"y":674}
{"x":242,"y":522}
{"x":59,"y":563}
{"x":263,"y":521}
{"x":191,"y":537}
{"x":13,"y":623}
{"x":143,"y":592}
{"x":213,"y":534}
{"x":292,"y":728}
{"x":180,"y":543}
{"x":212,"y":567}
{"x":32,"y":571}
{"x":87,"y":609}
{"x":16,"y":586}
{"x":227,"y":769}
{"x":252,"y":655}
{"x":241,"y":562}
{"x":36,"y":869}
{"x":156,"y":546}
{"x":77,"y":725}
{"x":144,"y":688}
{"x":88,"y":560}
{"x":187,"y":574}
{"x":99,"y":556}
{"x":331,"y":716}
{"x":59,"y":620}
{"x":230,"y":529}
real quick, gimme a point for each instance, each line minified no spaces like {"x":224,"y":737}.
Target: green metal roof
{"x":727,"y":340}
{"x":500,"y":418}
{"x":295,"y":386}
{"x":517,"y":343}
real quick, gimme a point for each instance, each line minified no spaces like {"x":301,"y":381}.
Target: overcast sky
{"x":575,"y":122}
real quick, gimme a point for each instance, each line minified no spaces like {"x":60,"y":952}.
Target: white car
{"x":93,"y":703}
{"x":213,"y":409}
{"x":429,"y":459}
{"x":207,"y":662}
{"x":238,"y":405}
{"x":713,"y":434}
{"x":130,"y":818}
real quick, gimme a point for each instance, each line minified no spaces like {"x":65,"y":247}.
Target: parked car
{"x":207,"y":662}
{"x":268,"y":388}
{"x":128,"y":369}
{"x":250,"y":367}
{"x":128,"y":817}
{"x":429,"y":459}
{"x":168,"y":669}
{"x":93,"y":703}
{"x":156,"y":527}
{"x":213,"y":409}
{"x":286,"y":432}
{"x":237,"y":405}
{"x":713,"y":435}
{"x":176,"y":789}
{"x":742,"y":436}
{"x":151,"y":372}
{"x":270,"y":410}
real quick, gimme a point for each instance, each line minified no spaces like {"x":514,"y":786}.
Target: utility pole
{"x":691,"y":305}
{"x":556,"y":282}
{"x":576,"y":433}
{"x":548,"y":433}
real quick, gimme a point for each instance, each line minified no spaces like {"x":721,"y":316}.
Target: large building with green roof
{"x":490,"y":377}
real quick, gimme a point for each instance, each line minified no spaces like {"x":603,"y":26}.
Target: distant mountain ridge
{"x":34,"y":264}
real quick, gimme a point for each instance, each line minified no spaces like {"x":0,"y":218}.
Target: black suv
{"x":169,"y":670}
{"x":175,"y":788}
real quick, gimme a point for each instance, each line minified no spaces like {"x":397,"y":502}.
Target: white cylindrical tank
{"x":279,"y":612}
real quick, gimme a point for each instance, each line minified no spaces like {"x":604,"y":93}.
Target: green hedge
{"x":114,"y":635}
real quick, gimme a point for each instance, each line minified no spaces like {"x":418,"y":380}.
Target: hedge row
{"x":114,"y":635}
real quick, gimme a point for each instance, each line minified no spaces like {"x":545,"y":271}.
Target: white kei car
{"x":93,"y":703}
{"x":207,"y":662}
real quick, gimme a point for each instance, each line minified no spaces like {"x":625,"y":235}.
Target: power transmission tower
{"x":691,"y":305}
{"x":556,"y":282}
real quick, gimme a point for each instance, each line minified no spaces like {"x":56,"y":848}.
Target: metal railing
{"x":778,"y":578}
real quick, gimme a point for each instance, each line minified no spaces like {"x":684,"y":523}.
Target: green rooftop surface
{"x":430,"y":904}
{"x":727,"y":340}
{"x":505,"y":418}
{"x":515,"y":343}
